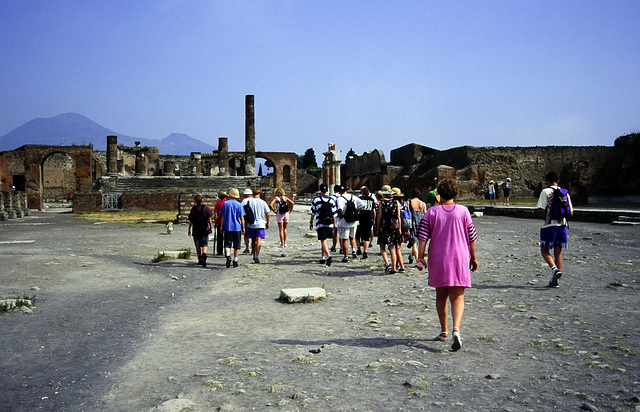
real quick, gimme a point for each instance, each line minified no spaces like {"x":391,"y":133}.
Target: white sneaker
{"x":456,"y":344}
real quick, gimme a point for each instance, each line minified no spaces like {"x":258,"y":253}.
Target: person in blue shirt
{"x":232,"y":214}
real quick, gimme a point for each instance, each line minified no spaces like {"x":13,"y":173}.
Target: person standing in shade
{"x":200,"y":226}
{"x":451,"y":235}
{"x":324,"y":209}
{"x":258,"y":229}
{"x":282,"y":205}
{"x":232,"y":214}
{"x":555,"y":204}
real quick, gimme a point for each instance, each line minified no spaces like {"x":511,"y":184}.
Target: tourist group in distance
{"x":346,"y":226}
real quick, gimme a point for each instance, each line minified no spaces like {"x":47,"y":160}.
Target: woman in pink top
{"x":452,"y":256}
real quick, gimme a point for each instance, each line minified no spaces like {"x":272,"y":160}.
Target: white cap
{"x":247,"y":192}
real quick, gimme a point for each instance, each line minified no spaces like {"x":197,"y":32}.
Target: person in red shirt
{"x":223,"y":196}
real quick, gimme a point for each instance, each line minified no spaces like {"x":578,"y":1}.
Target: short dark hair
{"x":416,"y":193}
{"x":448,"y":189}
{"x":198,"y":199}
{"x":552,"y":177}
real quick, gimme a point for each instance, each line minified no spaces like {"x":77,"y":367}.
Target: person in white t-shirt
{"x":346,"y":226}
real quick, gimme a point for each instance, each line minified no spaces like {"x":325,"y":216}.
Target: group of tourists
{"x":352,"y":222}
{"x":493,"y":191}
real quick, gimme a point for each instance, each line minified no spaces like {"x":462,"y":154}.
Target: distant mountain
{"x":74,"y":128}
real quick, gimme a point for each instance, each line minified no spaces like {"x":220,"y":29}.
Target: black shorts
{"x":325,"y":232}
{"x":363,"y":233}
{"x":233,"y":239}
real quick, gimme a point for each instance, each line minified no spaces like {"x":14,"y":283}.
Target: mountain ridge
{"x":74,"y":128}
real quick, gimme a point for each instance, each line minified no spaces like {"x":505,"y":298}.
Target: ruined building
{"x":139,"y":178}
{"x":590,"y":172}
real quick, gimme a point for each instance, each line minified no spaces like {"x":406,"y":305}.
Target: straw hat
{"x":223,"y":194}
{"x":397,"y":192}
{"x":234,"y":193}
{"x":386,"y":189}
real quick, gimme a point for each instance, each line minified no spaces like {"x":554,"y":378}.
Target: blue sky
{"x":363,"y":74}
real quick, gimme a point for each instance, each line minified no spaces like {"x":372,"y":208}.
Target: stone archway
{"x":284,"y":170}
{"x":34,"y":159}
{"x":58,"y":176}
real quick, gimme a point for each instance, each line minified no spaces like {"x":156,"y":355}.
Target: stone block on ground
{"x":172,"y":254}
{"x":302,"y":295}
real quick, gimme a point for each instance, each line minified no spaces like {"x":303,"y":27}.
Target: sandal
{"x":442,"y":336}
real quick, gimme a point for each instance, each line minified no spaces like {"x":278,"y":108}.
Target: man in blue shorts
{"x":257,"y":230}
{"x":232,"y":214}
{"x":555,"y":232}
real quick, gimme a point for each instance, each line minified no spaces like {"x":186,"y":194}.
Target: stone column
{"x":223,"y":156}
{"x":169,"y":168}
{"x":112,"y":155}
{"x":250,"y":137}
{"x":141,"y":163}
{"x":194,"y":164}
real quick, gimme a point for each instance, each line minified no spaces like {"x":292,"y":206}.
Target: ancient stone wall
{"x":578,"y":167}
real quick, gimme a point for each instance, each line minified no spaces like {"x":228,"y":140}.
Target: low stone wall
{"x":13,"y":205}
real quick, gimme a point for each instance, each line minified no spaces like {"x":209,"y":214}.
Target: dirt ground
{"x":113,"y":331}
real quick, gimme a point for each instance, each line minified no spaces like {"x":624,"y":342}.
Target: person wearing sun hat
{"x":232,"y":214}
{"x":388,"y":223}
{"x":492,"y":193}
{"x":257,"y":230}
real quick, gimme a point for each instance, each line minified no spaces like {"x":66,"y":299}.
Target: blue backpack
{"x":560,"y":207}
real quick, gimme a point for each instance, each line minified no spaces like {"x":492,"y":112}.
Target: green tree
{"x":309,"y":159}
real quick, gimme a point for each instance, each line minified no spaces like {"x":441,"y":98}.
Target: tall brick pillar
{"x":249,"y":137}
{"x":141,"y":161}
{"x":223,"y":156}
{"x":112,"y":155}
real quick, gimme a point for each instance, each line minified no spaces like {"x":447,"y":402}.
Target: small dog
{"x":169,"y":228}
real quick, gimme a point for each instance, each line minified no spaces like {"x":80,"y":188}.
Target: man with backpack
{"x":200,"y":226}
{"x":325,"y":211}
{"x":364,"y":232}
{"x":555,"y":204}
{"x":349,"y":207}
{"x":256,"y":222}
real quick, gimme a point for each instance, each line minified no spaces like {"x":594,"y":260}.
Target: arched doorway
{"x":58,"y":177}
